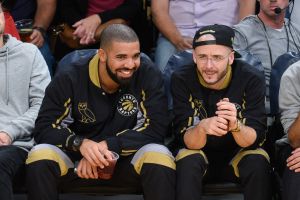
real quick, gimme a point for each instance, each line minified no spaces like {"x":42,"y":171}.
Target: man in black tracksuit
{"x":220,"y":119}
{"x":114,"y":103}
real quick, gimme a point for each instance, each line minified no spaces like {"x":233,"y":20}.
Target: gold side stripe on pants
{"x":235,"y":161}
{"x":187,"y":152}
{"x":47,"y":154}
{"x":154,"y":158}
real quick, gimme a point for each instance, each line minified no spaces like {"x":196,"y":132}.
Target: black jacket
{"x":75,"y":104}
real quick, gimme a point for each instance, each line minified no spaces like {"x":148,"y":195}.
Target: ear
{"x":102,"y":55}
{"x":194,"y":57}
{"x":231,"y":58}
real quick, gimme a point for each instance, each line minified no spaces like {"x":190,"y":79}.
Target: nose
{"x":209,"y":63}
{"x":130,"y":63}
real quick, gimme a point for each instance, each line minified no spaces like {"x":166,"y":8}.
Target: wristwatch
{"x":77,"y":142}
{"x":238,"y":126}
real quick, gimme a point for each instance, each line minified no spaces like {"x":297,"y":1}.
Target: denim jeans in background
{"x":164,"y":50}
{"x":47,"y":54}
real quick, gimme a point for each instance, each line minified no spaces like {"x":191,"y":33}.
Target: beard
{"x":123,"y":82}
{"x":220,"y":76}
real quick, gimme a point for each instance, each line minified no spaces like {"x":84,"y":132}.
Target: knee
{"x":255,"y":165}
{"x":191,"y":162}
{"x":45,"y":156}
{"x":154,"y":154}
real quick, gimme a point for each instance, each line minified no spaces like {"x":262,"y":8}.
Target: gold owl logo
{"x":86,"y":114}
{"x":127,"y":105}
{"x":201,"y":112}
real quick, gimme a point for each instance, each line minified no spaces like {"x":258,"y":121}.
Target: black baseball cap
{"x":224,"y":35}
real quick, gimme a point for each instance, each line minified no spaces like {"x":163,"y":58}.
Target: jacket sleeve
{"x":253,"y":112}
{"x":21,"y":127}
{"x":152,"y":118}
{"x":127,"y":11}
{"x":185,"y":114}
{"x":289,"y":95}
{"x":52,"y":124}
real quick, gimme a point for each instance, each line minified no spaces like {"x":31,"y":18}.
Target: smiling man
{"x":220,"y":119}
{"x":114,"y":103}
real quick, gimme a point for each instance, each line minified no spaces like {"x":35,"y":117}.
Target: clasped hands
{"x":224,"y":121}
{"x":85,"y":29}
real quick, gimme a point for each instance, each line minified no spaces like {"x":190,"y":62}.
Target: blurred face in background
{"x":267,"y":7}
{"x":2,"y":21}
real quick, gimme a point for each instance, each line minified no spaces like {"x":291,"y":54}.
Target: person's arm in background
{"x":166,"y":26}
{"x":246,"y":7}
{"x":43,"y":17}
{"x":89,"y":28}
{"x":289,"y":105}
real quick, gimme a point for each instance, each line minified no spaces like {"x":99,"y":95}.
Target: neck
{"x":275,"y":22}
{"x":221,"y":84}
{"x":107,"y":84}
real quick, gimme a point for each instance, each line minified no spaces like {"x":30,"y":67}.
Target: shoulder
{"x":185,"y":73}
{"x":148,"y":69}
{"x":247,"y":24}
{"x":250,"y":20}
{"x":244,"y":71}
{"x":293,"y":72}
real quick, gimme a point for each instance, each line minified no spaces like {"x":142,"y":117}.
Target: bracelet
{"x":40,"y":29}
{"x":238,"y":126}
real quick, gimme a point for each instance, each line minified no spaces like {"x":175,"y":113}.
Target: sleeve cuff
{"x":113,"y":144}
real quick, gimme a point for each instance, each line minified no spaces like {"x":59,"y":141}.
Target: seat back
{"x":74,"y":58}
{"x":251,"y":59}
{"x":278,"y":68}
{"x":81,"y":57}
{"x":174,"y":63}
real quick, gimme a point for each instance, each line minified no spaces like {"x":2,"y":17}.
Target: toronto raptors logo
{"x":127,"y":105}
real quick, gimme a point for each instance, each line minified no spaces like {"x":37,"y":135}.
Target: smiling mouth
{"x":126,"y":72}
{"x":209,"y":73}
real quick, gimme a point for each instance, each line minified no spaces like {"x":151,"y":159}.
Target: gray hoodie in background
{"x":24,"y":76}
{"x":289,"y":96}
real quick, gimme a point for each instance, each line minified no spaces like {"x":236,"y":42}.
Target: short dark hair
{"x":119,"y":33}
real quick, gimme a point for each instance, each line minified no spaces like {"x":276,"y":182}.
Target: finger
{"x":95,"y":172}
{"x":297,"y":150}
{"x":90,"y":157}
{"x":79,"y":169}
{"x":291,"y":157}
{"x":229,"y":118}
{"x":84,"y":171}
{"x":293,"y":162}
{"x":79,"y":32}
{"x":77,"y":24}
{"x":222,"y":126}
{"x":217,"y":132}
{"x":108,"y":155}
{"x":294,"y":165}
{"x":225,"y":99}
{"x":89,"y":171}
{"x":225,"y":106}
{"x":104,"y":162}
